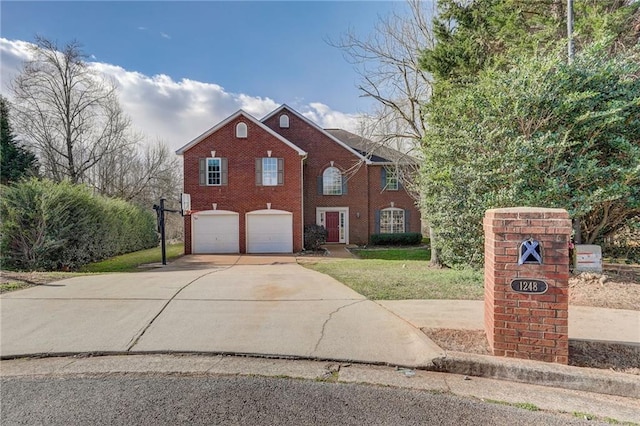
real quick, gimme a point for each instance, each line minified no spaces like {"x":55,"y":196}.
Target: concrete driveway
{"x":266,"y":305}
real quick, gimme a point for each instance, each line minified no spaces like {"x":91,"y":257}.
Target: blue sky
{"x":269,"y":52}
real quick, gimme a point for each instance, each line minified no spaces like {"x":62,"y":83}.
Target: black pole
{"x":162,"y":236}
{"x":570,"y":30}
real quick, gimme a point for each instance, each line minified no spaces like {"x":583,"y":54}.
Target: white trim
{"x":394,"y":209}
{"x":324,"y":184}
{"x":232,"y":117}
{"x":242,"y":130}
{"x":320,"y":212}
{"x":206,"y":164}
{"x":320,"y":129}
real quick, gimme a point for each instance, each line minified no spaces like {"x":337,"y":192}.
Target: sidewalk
{"x":585,"y":323}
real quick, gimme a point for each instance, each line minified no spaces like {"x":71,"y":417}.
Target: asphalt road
{"x":166,"y":399}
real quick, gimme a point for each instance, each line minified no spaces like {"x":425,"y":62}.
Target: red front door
{"x":332,"y":220}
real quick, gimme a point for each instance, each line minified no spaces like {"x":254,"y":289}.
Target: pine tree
{"x":16,"y":161}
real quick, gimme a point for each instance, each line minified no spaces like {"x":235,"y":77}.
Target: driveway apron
{"x":223,"y":304}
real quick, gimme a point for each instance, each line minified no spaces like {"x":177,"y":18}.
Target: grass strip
{"x":410,"y":253}
{"x":131,"y":261}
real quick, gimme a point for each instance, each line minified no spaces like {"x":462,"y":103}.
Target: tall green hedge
{"x":50,"y":226}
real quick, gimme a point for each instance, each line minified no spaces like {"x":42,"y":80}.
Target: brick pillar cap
{"x":557,"y":213}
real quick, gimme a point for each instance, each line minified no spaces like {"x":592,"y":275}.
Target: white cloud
{"x":165,"y":35}
{"x":176,"y":111}
{"x":330,"y":119}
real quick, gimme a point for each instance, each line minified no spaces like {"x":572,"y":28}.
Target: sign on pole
{"x":185,"y":203}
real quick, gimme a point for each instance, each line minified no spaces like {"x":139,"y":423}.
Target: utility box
{"x":527,"y":283}
{"x":588,"y":258}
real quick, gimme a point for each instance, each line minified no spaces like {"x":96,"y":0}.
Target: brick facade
{"x":300,"y":194}
{"x":365,"y":194}
{"x":530,"y":326}
{"x":242,"y":195}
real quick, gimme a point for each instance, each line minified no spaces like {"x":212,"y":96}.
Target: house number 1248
{"x":529,"y":286}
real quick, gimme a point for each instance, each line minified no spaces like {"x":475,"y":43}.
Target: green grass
{"x":402,"y":279}
{"x":12,"y":286}
{"x":406,"y":253}
{"x":129,"y":262}
{"x":522,"y":405}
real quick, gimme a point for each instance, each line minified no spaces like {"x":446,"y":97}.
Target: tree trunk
{"x":435,"y":260}
{"x":577,"y":237}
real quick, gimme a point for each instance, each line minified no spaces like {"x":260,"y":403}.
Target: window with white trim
{"x":241,"y":130}
{"x":332,"y":181}
{"x":284,"y":121}
{"x":391,"y":221}
{"x":214,"y":171}
{"x":391,"y":182}
{"x":269,"y":171}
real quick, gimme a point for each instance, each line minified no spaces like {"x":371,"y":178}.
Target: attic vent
{"x":241,"y":130}
{"x":284,"y":121}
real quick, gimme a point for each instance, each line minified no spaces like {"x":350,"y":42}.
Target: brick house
{"x":254,"y":185}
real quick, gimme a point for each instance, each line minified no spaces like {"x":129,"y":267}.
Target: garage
{"x":215,"y":231}
{"x":269,"y":231}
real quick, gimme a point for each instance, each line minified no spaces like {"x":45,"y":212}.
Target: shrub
{"x":401,"y":239}
{"x":314,"y":237}
{"x":47,"y":225}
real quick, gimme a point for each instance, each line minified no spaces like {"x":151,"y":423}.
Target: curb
{"x":515,"y":370}
{"x":536,"y":373}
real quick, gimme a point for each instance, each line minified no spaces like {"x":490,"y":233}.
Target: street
{"x":197,"y":399}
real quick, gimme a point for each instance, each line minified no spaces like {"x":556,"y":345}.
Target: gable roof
{"x":232,"y":117}
{"x":379,"y":154}
{"x":320,"y":129}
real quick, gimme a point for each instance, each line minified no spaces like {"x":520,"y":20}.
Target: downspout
{"x":304,"y":157}
{"x":369,"y":186}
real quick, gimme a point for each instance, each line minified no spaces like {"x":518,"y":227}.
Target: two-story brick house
{"x":254,"y":185}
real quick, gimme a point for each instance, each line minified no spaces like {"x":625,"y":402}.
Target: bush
{"x":47,"y":225}
{"x":314,"y":237}
{"x":401,"y":239}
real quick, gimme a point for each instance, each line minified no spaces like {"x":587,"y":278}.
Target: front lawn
{"x":402,"y":279}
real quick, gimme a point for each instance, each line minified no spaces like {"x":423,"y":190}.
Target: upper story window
{"x":213,"y":171}
{"x":269,"y":171}
{"x":241,"y":130}
{"x":332,"y":181}
{"x":391,"y":221}
{"x":390,"y":179}
{"x":284,"y":121}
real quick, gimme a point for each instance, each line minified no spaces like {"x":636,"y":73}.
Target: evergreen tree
{"x":511,"y":122}
{"x":16,"y":161}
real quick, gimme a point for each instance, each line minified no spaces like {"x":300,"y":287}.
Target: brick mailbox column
{"x":526,"y":283}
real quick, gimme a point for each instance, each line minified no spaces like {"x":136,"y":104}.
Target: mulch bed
{"x":610,"y":356}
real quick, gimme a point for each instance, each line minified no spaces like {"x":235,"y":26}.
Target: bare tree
{"x":137,"y":174}
{"x":67,"y":112}
{"x":388,"y":62}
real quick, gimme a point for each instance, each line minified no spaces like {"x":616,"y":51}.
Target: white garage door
{"x":269,"y":231}
{"x":215,"y":231}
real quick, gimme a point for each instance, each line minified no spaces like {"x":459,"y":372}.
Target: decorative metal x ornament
{"x":530,"y":247}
